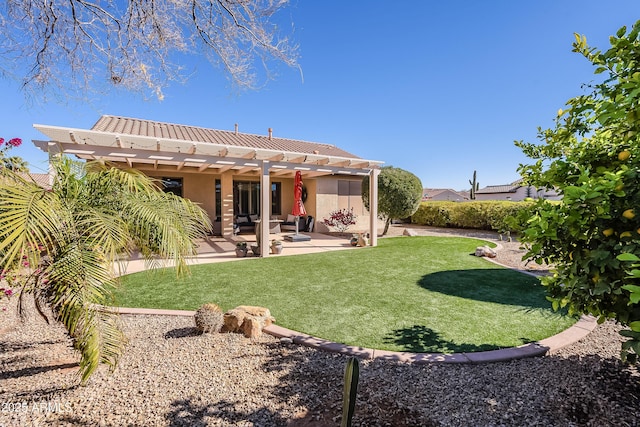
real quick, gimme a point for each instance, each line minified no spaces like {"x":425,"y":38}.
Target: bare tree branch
{"x":79,"y":46}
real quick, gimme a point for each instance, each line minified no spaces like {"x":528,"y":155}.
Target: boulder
{"x":485,"y":251}
{"x":409,"y":232}
{"x":251,"y":327}
{"x":248,"y":320}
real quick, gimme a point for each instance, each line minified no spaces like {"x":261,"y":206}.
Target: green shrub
{"x":501,"y":216}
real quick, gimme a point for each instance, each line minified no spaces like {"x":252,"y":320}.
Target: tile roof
{"x":509,"y":188}
{"x":148,"y":128}
{"x":42,"y":179}
{"x":432,"y":193}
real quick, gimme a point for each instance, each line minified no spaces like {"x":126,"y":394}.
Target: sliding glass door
{"x":246,"y":197}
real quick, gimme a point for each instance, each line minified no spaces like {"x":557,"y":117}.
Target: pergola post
{"x":373,"y":206}
{"x":226,"y":193}
{"x":265,"y":208}
{"x":54,"y":152}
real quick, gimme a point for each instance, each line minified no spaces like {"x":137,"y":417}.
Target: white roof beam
{"x":246,"y":169}
{"x":250,"y":155}
{"x":281,"y":172}
{"x":298,"y":159}
{"x":276,"y":158}
{"x":175,"y":151}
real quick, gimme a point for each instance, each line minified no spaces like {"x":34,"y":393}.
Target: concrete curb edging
{"x":550,"y":345}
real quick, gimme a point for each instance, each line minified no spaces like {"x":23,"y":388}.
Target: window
{"x":218,"y":199}
{"x":349,"y":188}
{"x":276,"y":195}
{"x":350,"y":195}
{"x":246,"y":196}
{"x":172,"y":185}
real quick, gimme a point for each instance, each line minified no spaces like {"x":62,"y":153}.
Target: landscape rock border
{"x":540,"y":348}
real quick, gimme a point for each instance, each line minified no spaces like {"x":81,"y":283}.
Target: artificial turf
{"x":421,"y":294}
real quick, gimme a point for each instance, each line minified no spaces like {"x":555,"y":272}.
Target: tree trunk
{"x":386,"y":226}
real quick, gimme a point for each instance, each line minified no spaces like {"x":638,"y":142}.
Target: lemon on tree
{"x":624,"y":155}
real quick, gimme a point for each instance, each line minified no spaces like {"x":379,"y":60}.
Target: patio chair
{"x":309,"y":225}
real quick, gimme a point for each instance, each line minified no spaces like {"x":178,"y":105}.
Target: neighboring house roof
{"x":42,"y":179}
{"x":443,"y":194}
{"x":493,"y":189}
{"x":148,"y":128}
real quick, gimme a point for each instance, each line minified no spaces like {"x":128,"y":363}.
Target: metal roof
{"x":136,"y":141}
{"x":147,"y":128}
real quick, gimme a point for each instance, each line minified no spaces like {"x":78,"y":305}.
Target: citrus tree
{"x":64,"y":244}
{"x":399,"y":194}
{"x":592,"y":157}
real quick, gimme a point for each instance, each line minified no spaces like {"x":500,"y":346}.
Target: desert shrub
{"x":341,"y":219}
{"x":501,"y":216}
{"x":209,"y":318}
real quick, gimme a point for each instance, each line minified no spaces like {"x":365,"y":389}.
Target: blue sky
{"x":437,"y":88}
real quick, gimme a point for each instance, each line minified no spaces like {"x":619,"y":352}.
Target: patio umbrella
{"x":298,"y":205}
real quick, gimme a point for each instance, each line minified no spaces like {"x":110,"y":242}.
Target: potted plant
{"x":276,"y":246}
{"x":241,"y":249}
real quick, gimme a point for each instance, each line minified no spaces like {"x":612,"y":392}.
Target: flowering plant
{"x":341,"y":219}
{"x":13,"y":142}
{"x":4,"y":292}
{"x":21,"y":277}
{"x":10,"y":162}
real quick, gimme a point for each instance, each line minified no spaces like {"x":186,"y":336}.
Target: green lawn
{"x":422,"y":294}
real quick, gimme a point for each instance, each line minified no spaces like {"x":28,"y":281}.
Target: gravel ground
{"x":170,"y":376}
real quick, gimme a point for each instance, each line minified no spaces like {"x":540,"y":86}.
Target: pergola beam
{"x":210,"y":163}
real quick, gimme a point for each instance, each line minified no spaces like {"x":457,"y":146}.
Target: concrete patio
{"x":220,"y":249}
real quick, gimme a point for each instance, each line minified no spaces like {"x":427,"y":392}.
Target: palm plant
{"x":66,"y":242}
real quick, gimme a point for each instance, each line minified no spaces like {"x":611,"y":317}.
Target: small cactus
{"x":475,"y":186}
{"x":350,"y":392}
{"x":209,"y":318}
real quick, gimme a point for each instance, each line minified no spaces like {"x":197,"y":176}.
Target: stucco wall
{"x":199,"y":188}
{"x":333,"y":194}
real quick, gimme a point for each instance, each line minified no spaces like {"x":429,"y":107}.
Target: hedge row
{"x":482,"y":215}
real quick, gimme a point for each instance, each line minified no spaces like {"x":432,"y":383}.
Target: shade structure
{"x":298,"y":207}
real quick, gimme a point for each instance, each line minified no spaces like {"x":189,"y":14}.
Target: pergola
{"x":193,"y":155}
